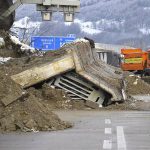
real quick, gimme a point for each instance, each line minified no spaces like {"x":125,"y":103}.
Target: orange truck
{"x":136,"y":60}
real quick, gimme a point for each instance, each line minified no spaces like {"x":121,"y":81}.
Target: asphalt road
{"x":93,"y":130}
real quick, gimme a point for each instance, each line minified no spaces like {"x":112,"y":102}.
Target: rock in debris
{"x":2,"y":42}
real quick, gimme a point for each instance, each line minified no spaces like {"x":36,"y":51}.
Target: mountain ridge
{"x":105,"y":21}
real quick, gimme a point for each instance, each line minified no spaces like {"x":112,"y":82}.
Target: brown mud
{"x":32,"y":109}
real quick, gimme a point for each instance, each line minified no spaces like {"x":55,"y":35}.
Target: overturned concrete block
{"x":40,"y":73}
{"x":99,"y":73}
{"x":84,"y":61}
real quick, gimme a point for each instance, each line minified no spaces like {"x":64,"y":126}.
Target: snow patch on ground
{"x":80,"y":40}
{"x":4,"y":59}
{"x":24,"y":47}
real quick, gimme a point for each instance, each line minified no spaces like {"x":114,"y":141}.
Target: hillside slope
{"x":108,"y":21}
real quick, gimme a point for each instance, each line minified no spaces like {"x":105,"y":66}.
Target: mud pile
{"x":29,"y":114}
{"x":10,"y":49}
{"x":146,"y":79}
{"x":14,"y":48}
{"x":32,"y":110}
{"x":136,"y":86}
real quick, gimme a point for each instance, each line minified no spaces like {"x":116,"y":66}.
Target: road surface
{"x":93,"y":130}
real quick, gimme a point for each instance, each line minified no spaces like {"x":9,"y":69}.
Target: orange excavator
{"x":136,"y":60}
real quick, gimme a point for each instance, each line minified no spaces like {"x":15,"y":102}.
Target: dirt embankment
{"x":146,"y":79}
{"x":10,"y":49}
{"x":32,"y":110}
{"x":136,"y":86}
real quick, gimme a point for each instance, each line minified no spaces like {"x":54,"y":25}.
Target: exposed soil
{"x":10,"y":49}
{"x":29,"y":114}
{"x":146,"y":79}
{"x":32,"y":109}
{"x":136,"y":86}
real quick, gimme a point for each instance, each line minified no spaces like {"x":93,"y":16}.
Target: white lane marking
{"x":107,"y":144}
{"x":107,"y":121}
{"x":107,"y":130}
{"x":121,"y":142}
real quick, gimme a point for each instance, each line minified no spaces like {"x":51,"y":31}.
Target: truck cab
{"x":136,"y":60}
{"x":132,"y":60}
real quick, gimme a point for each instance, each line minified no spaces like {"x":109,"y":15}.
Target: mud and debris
{"x":136,"y":86}
{"x":12,"y":47}
{"x":146,"y":79}
{"x":31,"y":109}
{"x":30,"y":113}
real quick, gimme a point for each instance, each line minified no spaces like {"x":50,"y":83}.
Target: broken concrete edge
{"x":116,"y":95}
{"x":38,"y":74}
{"x":56,"y":67}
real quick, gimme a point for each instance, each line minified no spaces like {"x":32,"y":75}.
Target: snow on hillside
{"x":86,"y":27}
{"x":145,"y":31}
{"x":109,"y":21}
{"x":25,"y":27}
{"x":105,"y":23}
{"x":26,"y":23}
{"x":146,"y":8}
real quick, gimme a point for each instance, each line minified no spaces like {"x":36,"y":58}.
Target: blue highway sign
{"x":50,"y":43}
{"x":60,"y":41}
